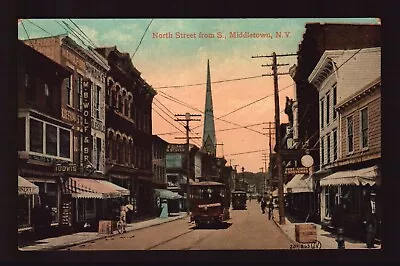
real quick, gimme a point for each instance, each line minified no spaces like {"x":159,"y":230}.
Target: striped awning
{"x":364,"y":176}
{"x":94,"y":189}
{"x":26,"y":188}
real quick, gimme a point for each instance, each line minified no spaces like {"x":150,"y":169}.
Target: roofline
{"x":335,"y":54}
{"x":62,"y":35}
{"x":367,"y":87}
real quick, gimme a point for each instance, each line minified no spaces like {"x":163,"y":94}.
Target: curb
{"x":283,"y":231}
{"x":98,"y":237}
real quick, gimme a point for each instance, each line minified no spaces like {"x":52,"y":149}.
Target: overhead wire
{"x":141,"y":39}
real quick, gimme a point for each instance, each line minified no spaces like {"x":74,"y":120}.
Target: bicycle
{"x":121,"y":226}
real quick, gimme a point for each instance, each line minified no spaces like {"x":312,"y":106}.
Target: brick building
{"x":83,"y":106}
{"x":129,"y":129}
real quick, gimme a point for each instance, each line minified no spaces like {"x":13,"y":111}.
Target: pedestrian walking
{"x":263,"y":205}
{"x":370,"y":219}
{"x":270,"y":210}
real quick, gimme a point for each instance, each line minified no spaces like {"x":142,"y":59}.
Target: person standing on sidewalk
{"x":370,"y":219}
{"x":270,"y":210}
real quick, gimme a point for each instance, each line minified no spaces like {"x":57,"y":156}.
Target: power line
{"x":173,"y":114}
{"x":170,"y":122}
{"x":25,"y":30}
{"x":87,"y":38}
{"x":51,"y":35}
{"x":142,"y":38}
{"x":213,"y":82}
{"x":246,"y":152}
{"x":177,"y":101}
{"x":225,"y":129}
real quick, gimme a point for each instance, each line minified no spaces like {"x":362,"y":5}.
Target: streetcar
{"x":207,"y":201}
{"x":239,"y":198}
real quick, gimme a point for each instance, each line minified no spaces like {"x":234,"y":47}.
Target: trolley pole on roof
{"x":187,"y":120}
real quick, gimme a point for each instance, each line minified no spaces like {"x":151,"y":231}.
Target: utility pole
{"x":277,"y":131}
{"x":262,"y":174}
{"x":264,"y":160}
{"x":270,"y":149}
{"x":187,"y":120}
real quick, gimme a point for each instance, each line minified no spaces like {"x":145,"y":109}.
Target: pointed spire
{"x":209,"y":141}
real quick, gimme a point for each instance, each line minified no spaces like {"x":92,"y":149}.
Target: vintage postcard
{"x":199,"y":134}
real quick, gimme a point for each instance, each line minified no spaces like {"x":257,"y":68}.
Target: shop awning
{"x":275,"y":192}
{"x":167,"y":194}
{"x":94,"y":189}
{"x":351,"y":177}
{"x":26,"y":188}
{"x":300,"y":183}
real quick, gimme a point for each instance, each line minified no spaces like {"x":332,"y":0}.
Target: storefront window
{"x":24,"y":205}
{"x":36,"y":136}
{"x":21,"y":134}
{"x":64,"y":143}
{"x":51,"y":140}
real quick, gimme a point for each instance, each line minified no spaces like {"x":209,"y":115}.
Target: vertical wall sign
{"x":87,"y":116}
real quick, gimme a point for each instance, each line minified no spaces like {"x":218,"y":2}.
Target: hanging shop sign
{"x":296,"y":170}
{"x":87,"y":125}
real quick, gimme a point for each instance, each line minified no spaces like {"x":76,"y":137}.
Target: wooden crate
{"x":306,"y":233}
{"x":106,"y":227}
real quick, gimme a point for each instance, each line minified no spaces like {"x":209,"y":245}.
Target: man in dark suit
{"x":370,"y":219}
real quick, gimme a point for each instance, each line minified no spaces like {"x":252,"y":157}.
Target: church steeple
{"x":209,"y":141}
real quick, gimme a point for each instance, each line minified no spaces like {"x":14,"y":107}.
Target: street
{"x":247,"y":229}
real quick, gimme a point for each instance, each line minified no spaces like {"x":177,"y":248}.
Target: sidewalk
{"x":66,"y":241}
{"x":327,"y":239}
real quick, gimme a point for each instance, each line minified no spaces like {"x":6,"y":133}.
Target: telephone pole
{"x":264,"y":160}
{"x":187,"y":120}
{"x":270,"y":148}
{"x":277,"y":131}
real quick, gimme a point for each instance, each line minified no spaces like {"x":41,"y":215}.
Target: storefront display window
{"x":23,"y":211}
{"x":51,"y":140}
{"x":36,"y":136}
{"x":64,"y":143}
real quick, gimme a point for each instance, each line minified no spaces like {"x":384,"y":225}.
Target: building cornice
{"x":368,"y":89}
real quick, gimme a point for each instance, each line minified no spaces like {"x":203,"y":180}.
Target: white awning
{"x":300,"y":183}
{"x":26,"y":188}
{"x":275,"y":192}
{"x":351,"y":177}
{"x":167,"y":194}
{"x":94,"y":189}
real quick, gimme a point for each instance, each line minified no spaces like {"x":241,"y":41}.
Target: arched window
{"x":108,"y":91}
{"x":127,"y":152}
{"x":132,"y":113}
{"x":113,"y":98}
{"x":133,"y":153}
{"x":108,"y":146}
{"x":113,"y":148}
{"x":118,"y":149}
{"x":126,"y":107}
{"x":123,"y":150}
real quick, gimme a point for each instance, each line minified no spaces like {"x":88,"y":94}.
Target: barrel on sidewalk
{"x":306,"y":233}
